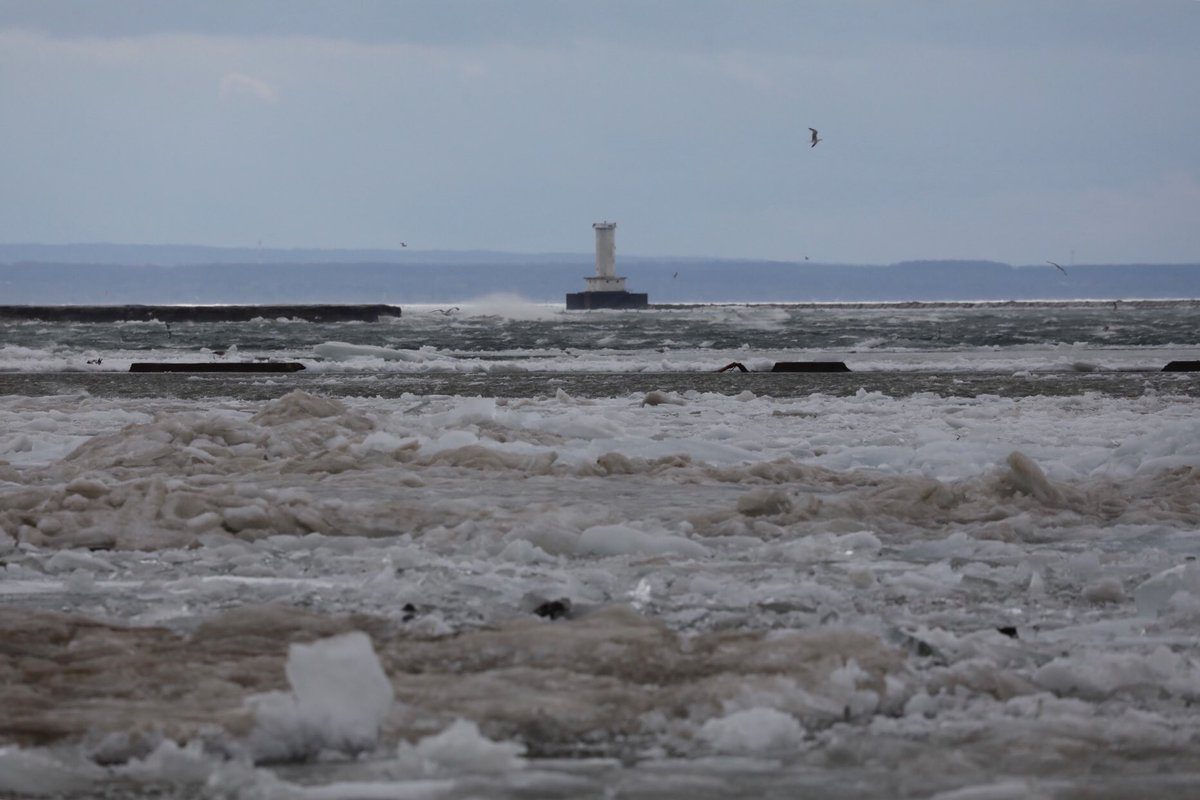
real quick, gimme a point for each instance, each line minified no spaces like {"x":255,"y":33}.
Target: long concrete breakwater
{"x":205,"y":313}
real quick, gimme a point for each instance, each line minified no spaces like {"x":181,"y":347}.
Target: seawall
{"x":207,"y":313}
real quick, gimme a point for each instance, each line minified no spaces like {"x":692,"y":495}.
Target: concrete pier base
{"x":583,"y":301}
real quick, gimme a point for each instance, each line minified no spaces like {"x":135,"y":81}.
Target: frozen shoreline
{"x":768,"y":592}
{"x":503,"y":551}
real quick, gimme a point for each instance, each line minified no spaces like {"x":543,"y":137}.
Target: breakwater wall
{"x":205,"y":313}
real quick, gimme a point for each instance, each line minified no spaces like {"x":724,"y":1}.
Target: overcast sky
{"x":1015,"y":130}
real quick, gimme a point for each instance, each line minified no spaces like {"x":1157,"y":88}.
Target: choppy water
{"x":895,"y":383}
{"x":517,"y":330}
{"x":517,"y":346}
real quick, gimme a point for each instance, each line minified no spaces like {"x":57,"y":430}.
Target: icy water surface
{"x":399,"y":385}
{"x":965,"y":570}
{"x":505,"y":337}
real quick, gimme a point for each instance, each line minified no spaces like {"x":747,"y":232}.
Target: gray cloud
{"x":951,"y":129}
{"x":702,"y":24}
{"x":235,"y":84}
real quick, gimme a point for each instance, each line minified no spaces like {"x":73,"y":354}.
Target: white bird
{"x":1057,"y":266}
{"x":815,"y":138}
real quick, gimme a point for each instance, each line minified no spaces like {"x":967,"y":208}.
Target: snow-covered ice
{"x":703,"y":595}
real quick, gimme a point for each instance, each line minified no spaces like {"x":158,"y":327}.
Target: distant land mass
{"x":111,"y":273}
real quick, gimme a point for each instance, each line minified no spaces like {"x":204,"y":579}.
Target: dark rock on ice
{"x":554,"y":609}
{"x":916,"y":646}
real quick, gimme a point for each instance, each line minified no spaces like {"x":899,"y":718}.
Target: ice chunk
{"x":87,"y":487}
{"x":240,"y":518}
{"x":615,"y":540}
{"x":462,"y":748}
{"x":71,"y":560}
{"x":170,"y":762}
{"x":657,"y":397}
{"x":298,"y":405}
{"x":753,"y":732}
{"x":1027,"y":477}
{"x":1097,"y":676}
{"x":342,"y":351}
{"x":1104,"y":590}
{"x":1153,"y":593}
{"x":921,"y":705}
{"x":1001,"y":790}
{"x":520,"y":551}
{"x":383,"y":442}
{"x":764,"y":502}
{"x":1085,"y":566}
{"x":340,"y":697}
{"x":35,"y":773}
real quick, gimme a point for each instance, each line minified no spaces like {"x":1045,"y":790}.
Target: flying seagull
{"x":815,"y":138}
{"x":1058,"y":267}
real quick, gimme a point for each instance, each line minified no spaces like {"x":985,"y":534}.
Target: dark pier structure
{"x":216,"y":366}
{"x":215,"y":313}
{"x":586,"y":301}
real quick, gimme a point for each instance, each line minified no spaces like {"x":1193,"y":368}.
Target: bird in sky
{"x":1057,"y":266}
{"x":404,"y":244}
{"x":815,"y":138}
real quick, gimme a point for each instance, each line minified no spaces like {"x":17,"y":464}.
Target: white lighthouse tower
{"x":605,"y":289}
{"x":606,"y":279}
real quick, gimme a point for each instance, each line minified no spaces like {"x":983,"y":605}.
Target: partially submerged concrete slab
{"x":216,"y":366}
{"x":810,"y":366}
